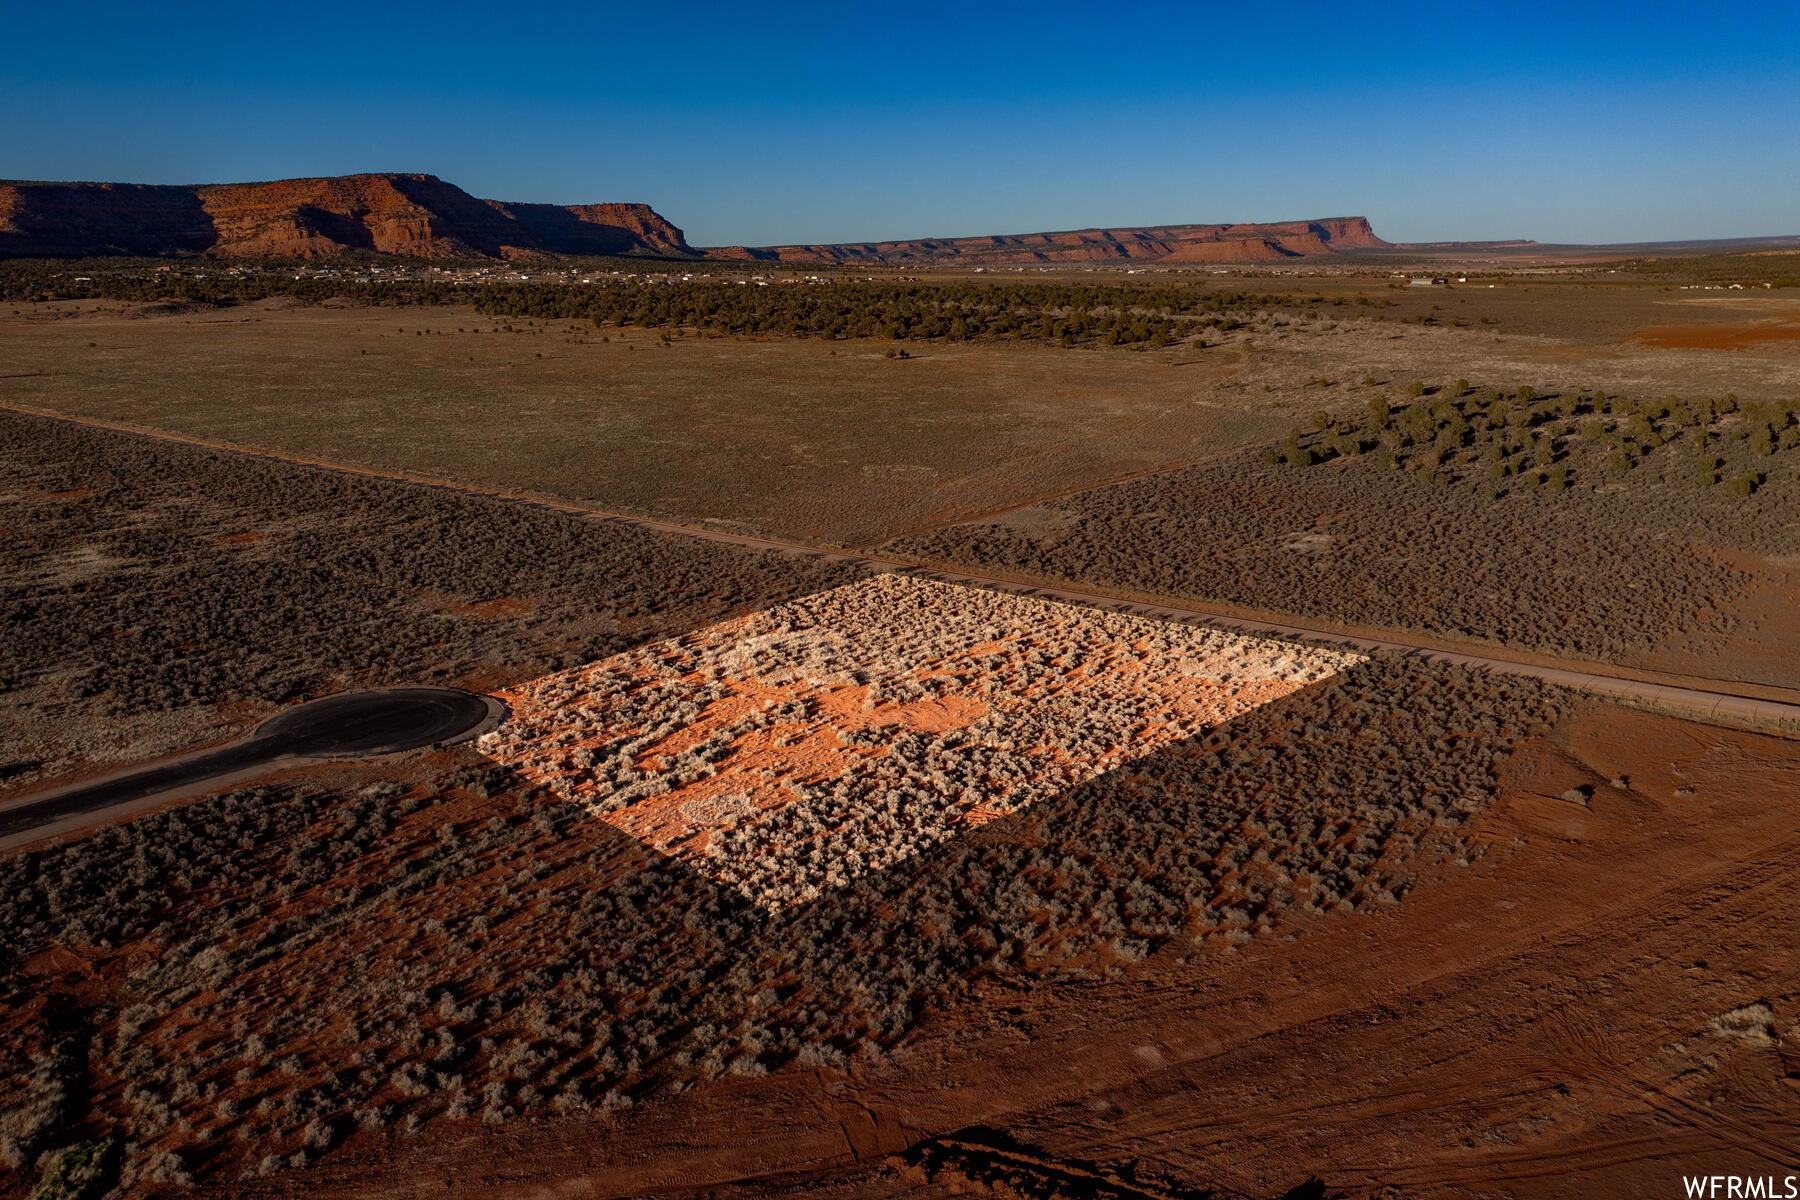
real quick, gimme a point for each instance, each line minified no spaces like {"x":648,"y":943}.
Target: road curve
{"x":348,"y":725}
{"x":1717,"y":705}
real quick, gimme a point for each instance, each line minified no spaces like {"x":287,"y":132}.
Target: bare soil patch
{"x":1717,"y":337}
{"x":791,"y":751}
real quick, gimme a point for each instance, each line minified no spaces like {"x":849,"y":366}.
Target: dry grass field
{"x":834,"y":443}
{"x":812,"y":440}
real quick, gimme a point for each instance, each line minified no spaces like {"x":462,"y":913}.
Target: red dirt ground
{"x":1544,"y":1022}
{"x":1716,"y":337}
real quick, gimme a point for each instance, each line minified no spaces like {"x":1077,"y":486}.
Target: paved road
{"x":1721,"y":704}
{"x":351,"y":725}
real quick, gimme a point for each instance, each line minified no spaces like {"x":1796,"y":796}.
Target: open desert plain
{"x":519,"y":700}
{"x":1330,"y":737}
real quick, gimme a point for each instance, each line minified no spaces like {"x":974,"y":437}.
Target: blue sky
{"x":832,"y":122}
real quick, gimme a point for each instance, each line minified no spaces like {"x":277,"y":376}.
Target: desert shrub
{"x":1341,"y":796}
{"x":1480,"y":427}
{"x":1527,"y":539}
{"x":1589,"y":474}
{"x":1138,"y":314}
{"x":1745,"y":484}
{"x":85,"y":1171}
{"x":46,"y":1085}
{"x":354,"y":582}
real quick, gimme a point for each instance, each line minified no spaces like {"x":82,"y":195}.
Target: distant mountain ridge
{"x":422,"y":216}
{"x":416,"y":215}
{"x":1231,"y":243}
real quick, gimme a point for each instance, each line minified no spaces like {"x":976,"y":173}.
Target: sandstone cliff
{"x":422,"y":216}
{"x":417,"y":215}
{"x":599,"y":228}
{"x":1173,"y":243}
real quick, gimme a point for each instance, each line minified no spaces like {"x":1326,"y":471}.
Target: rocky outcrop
{"x":1174,"y":243}
{"x":416,"y":215}
{"x":599,"y":228}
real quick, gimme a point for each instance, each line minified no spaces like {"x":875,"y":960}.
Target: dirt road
{"x":1772,"y":710}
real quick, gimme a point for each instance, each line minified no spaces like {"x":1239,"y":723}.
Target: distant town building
{"x":1428,"y":281}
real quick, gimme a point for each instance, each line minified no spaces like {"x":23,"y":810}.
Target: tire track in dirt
{"x":1739,"y":890}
